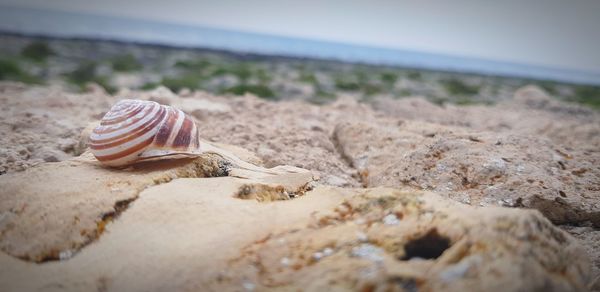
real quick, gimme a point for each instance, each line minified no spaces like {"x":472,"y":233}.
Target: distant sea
{"x":79,"y":25}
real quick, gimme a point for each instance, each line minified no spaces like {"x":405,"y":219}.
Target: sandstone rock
{"x":197,"y":107}
{"x":185,"y":233}
{"x":458,"y":152}
{"x":409,"y":108}
{"x":589,"y":238}
{"x":161,"y":94}
{"x":94,"y":88}
{"x":127,"y":80}
{"x":280,"y":134}
{"x":434,"y":244}
{"x":72,"y":201}
{"x":536,"y":98}
{"x":477,"y":167}
{"x":45,"y":122}
{"x":184,"y":92}
{"x":532,"y":96}
{"x":564,"y":123}
{"x":205,"y":237}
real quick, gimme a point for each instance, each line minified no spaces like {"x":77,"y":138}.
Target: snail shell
{"x":135,"y":130}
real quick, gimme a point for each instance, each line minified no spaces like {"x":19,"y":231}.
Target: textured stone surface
{"x":42,"y":124}
{"x":194,"y":233}
{"x":479,"y":168}
{"x":51,"y":211}
{"x":530,"y":113}
{"x":57,"y":208}
{"x":430,"y":244}
{"x":531,"y":152}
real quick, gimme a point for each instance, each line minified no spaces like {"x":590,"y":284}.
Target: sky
{"x":553,"y":33}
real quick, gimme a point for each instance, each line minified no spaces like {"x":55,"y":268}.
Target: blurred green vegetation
{"x":322,"y":97}
{"x":465,"y":101}
{"x":251,"y":78}
{"x":438,"y":100}
{"x":365,"y":81}
{"x":189,"y":80}
{"x":262,"y":76}
{"x":198,"y":64}
{"x":225,"y":73}
{"x":414,"y":75}
{"x":37,"y":51}
{"x":370,"y":89}
{"x":195,"y":73}
{"x":404,"y":92}
{"x":347,"y":83}
{"x":243,"y":70}
{"x":548,"y":86}
{"x":308,"y":77}
{"x":389,"y":78}
{"x":457,"y":87}
{"x":10,"y":70}
{"x":259,"y":90}
{"x":588,"y":95}
{"x":85,"y":73}
{"x":126,"y":63}
{"x":149,"y":86}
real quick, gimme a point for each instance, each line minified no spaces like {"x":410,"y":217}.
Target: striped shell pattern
{"x":135,"y":130}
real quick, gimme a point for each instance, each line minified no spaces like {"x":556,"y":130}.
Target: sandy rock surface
{"x":531,"y":113}
{"x":455,"y":170}
{"x":383,"y":239}
{"x":478,"y":168}
{"x":53,"y":219}
{"x":43,"y":124}
{"x":179,"y":236}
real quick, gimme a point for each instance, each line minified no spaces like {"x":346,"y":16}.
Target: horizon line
{"x":442,"y":64}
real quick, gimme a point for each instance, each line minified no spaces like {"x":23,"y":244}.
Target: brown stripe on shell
{"x":127,"y":151}
{"x":155,"y":121}
{"x":196,"y":138}
{"x":120,"y":118}
{"x":172,"y":131}
{"x":119,"y":109}
{"x":101,"y":130}
{"x":138,"y":132}
{"x":166,"y":128}
{"x":182,"y":140}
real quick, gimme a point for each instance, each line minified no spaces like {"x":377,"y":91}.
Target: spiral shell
{"x":135,"y":130}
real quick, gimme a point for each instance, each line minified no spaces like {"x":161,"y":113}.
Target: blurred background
{"x":461,"y":52}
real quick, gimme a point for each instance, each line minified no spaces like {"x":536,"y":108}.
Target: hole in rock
{"x":407,"y":284}
{"x":429,"y":246}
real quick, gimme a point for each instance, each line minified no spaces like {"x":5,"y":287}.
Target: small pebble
{"x":321,"y":254}
{"x":361,"y":236}
{"x":360,"y":221}
{"x":390,"y":219}
{"x":369,"y":252}
{"x":317,"y":255}
{"x":65,"y":255}
{"x":249,"y":286}
{"x":50,"y":158}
